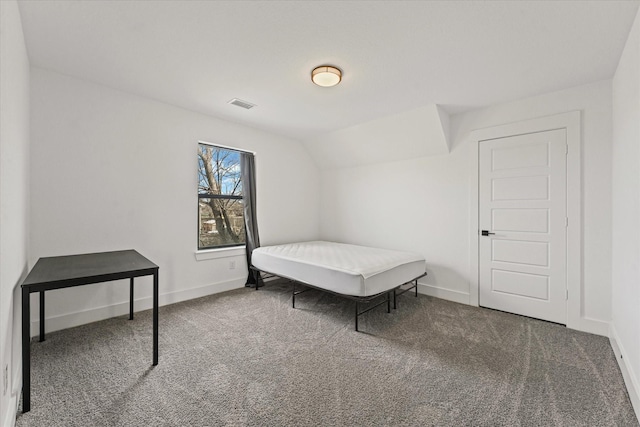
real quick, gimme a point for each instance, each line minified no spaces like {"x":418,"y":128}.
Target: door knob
{"x":486,"y":233}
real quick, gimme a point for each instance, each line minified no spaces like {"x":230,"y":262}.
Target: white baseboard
{"x":443,"y":293}
{"x":10,"y":417}
{"x":592,"y":326}
{"x":69,"y":320}
{"x":584,"y":324}
{"x":630,"y":377}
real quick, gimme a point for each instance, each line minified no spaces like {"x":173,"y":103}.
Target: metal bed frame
{"x":366,"y":300}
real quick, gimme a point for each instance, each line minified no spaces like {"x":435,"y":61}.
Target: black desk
{"x":75,"y":270}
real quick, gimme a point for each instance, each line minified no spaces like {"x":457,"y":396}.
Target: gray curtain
{"x":247,"y":166}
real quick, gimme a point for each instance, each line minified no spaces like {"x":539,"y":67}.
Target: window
{"x":220,"y":206}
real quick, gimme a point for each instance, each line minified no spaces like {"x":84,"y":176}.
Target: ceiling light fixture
{"x":326,"y":76}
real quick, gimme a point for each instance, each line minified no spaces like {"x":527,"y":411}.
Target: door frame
{"x":570,"y":121}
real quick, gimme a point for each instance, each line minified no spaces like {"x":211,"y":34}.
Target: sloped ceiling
{"x":396,"y":56}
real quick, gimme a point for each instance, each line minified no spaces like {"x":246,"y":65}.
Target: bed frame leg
{"x":415,"y":284}
{"x":293,"y":300}
{"x":394,"y":299}
{"x":356,"y":316}
{"x":389,"y":302}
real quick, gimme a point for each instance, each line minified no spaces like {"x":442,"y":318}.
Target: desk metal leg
{"x":131,"y":299}
{"x":155,"y":318}
{"x":41,"y":316}
{"x":26,"y":352}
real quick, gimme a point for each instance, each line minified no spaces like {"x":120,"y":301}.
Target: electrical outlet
{"x":5,"y":379}
{"x":232,"y":265}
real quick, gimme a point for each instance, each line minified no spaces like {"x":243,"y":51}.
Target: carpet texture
{"x":246,"y":358}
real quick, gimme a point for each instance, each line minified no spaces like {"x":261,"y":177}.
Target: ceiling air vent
{"x":240,"y":103}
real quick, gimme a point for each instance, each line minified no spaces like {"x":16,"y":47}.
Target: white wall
{"x":418,"y":205}
{"x":423,"y":204}
{"x":415,"y":133}
{"x":114,"y":171}
{"x":625,"y":326}
{"x":14,"y":198}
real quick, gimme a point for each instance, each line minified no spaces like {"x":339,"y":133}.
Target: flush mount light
{"x":326,"y":76}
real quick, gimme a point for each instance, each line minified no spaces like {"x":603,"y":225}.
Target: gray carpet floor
{"x":246,"y":358}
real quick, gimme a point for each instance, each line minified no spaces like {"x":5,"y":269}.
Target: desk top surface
{"x":73,"y":267}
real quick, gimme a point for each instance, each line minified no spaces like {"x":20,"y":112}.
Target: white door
{"x":523,"y":212}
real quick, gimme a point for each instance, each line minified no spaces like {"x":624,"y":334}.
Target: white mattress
{"x":345,"y":269}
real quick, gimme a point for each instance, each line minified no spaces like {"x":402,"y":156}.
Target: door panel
{"x":521,"y":188}
{"x":523,"y":220}
{"x":521,"y":252}
{"x":521,"y":284}
{"x":522,"y":199}
{"x":520,"y":157}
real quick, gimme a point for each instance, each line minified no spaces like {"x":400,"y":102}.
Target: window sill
{"x":220,"y":253}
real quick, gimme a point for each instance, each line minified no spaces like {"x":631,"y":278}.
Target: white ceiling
{"x":396,"y":55}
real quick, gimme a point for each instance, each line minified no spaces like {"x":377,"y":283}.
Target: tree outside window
{"x":220,"y":207}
